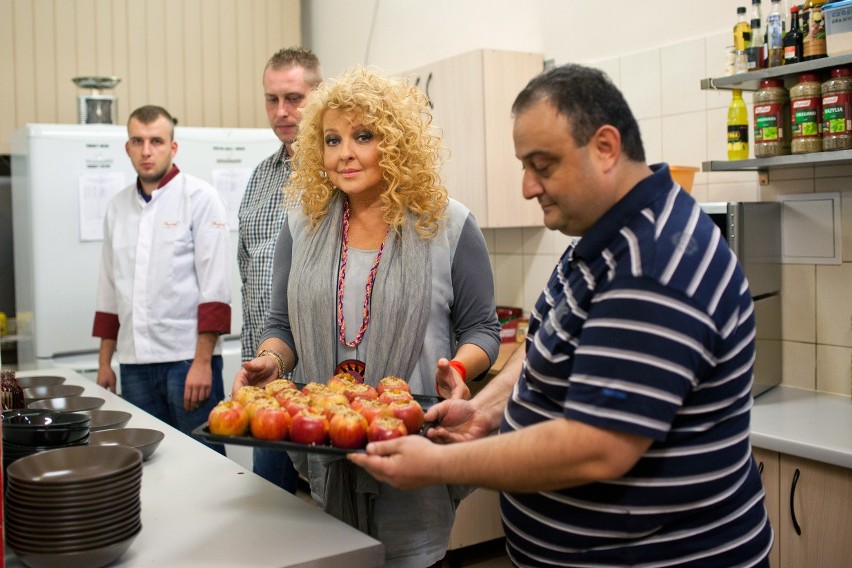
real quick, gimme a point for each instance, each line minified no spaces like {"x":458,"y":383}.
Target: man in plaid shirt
{"x":288,"y":77}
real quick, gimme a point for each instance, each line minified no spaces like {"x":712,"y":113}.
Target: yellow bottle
{"x":737,"y":128}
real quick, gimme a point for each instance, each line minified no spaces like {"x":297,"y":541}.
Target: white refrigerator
{"x":62,"y":176}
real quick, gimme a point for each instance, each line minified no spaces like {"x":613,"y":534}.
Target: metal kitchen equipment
{"x":753,"y":231}
{"x":96,"y":108}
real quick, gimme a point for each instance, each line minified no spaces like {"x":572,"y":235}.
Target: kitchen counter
{"x":200,"y":509}
{"x":804,"y":423}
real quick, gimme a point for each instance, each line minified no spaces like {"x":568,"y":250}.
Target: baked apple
{"x":370,"y":409}
{"x":389,"y":395}
{"x":320,"y":400}
{"x":278,"y":385}
{"x":261,"y":402}
{"x":410,"y":412}
{"x":341,"y":381}
{"x":360,"y":390}
{"x":296,"y":404}
{"x":228,"y":418}
{"x":396,"y":383}
{"x":247,"y":394}
{"x":386,"y":428}
{"x":270,"y":424}
{"x":348,"y":430}
{"x":310,"y":428}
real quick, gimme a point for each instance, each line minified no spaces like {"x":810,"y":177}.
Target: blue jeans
{"x":276,"y":467}
{"x":157,"y":388}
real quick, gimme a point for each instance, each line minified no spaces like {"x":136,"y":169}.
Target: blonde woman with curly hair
{"x":377,"y":273}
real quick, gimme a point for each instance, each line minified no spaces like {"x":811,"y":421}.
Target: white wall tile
{"x":833,"y":369}
{"x":612,"y":67}
{"x":799,"y":369}
{"x":834,"y":305}
{"x":538,"y":240}
{"x":537,"y":269}
{"x":640,"y":83}
{"x":798,"y":302}
{"x":685,"y":138}
{"x":717,"y":134}
{"x":651,"y":130}
{"x":509,"y":241}
{"x":509,"y":278}
{"x":682,"y":66}
{"x":714,"y":65}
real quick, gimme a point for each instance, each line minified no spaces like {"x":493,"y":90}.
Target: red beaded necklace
{"x":341,"y":278}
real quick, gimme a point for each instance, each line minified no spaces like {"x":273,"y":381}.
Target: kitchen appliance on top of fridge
{"x":753,"y":231}
{"x":62,"y":177}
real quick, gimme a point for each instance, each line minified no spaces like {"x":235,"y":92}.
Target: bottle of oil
{"x":742,"y":31}
{"x":813,"y":30}
{"x":737,"y":127}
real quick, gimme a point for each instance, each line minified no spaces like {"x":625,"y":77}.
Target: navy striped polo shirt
{"x":646,"y":326}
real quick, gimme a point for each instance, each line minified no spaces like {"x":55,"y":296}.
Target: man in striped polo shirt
{"x":624,"y":419}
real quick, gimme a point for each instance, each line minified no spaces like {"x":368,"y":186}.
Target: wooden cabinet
{"x":813,"y":503}
{"x":768,"y":465}
{"x":477,"y":519}
{"x":471,"y":96}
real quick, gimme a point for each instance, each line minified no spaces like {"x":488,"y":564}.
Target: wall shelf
{"x":834,"y":158}
{"x":751,"y":81}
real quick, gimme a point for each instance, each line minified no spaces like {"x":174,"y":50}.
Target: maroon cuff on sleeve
{"x":106,"y":326}
{"x":214,"y":316}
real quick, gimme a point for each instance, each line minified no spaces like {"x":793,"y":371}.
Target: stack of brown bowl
{"x":74,"y":506}
{"x":28,"y":431}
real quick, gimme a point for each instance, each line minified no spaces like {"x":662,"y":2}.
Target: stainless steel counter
{"x":804,"y":423}
{"x":200,"y":509}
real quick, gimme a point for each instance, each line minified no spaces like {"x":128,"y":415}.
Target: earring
{"x":322,"y":174}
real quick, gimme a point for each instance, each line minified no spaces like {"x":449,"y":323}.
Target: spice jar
{"x":806,"y":114}
{"x":771,"y":119}
{"x":836,"y":111}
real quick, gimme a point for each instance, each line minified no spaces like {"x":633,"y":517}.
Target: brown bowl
{"x":143,"y":439}
{"x":74,"y":465}
{"x":91,"y":557}
{"x":69,"y":404}
{"x":52,"y":391}
{"x":107,"y":419}
{"x":39,"y":381}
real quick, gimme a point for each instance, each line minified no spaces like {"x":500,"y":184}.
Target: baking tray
{"x":203,"y":432}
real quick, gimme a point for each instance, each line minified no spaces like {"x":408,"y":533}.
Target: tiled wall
{"x":683,"y":125}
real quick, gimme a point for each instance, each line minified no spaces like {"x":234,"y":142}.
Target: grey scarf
{"x":399,"y":310}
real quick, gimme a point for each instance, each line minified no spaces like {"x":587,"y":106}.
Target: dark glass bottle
{"x":793,"y":39}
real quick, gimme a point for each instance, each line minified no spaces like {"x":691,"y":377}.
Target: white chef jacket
{"x":162,"y":263}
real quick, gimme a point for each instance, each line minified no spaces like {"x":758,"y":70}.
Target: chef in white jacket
{"x":163,"y":299}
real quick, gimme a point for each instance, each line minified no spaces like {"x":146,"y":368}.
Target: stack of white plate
{"x":75,"y":506}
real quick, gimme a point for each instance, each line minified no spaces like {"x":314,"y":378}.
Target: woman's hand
{"x":256,"y":372}
{"x":449,"y":383}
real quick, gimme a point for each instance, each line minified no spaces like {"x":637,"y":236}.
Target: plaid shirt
{"x":261,"y":216}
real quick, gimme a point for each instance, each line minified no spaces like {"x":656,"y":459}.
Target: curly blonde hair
{"x":410,"y":154}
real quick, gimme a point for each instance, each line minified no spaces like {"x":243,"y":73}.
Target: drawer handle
{"x":760,"y":469}
{"x":796,"y":526}
{"x":426,"y":88}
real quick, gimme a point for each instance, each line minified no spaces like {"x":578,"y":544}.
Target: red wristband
{"x":458,"y":366}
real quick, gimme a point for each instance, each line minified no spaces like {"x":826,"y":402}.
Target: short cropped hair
{"x":589,"y":100}
{"x":297,"y":56}
{"x":149,"y":113}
